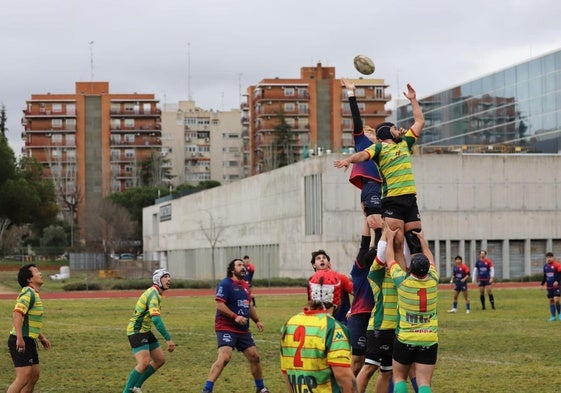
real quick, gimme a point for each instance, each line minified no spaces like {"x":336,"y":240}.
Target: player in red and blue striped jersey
{"x":552,"y":276}
{"x":460,"y":277}
{"x":483,"y":274}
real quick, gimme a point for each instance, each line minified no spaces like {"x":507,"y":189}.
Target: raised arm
{"x":355,"y":112}
{"x":424,"y":246}
{"x":418,"y":117}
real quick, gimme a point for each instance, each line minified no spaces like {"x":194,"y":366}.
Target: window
{"x":71,"y":155}
{"x":129,"y":153}
{"x":379,"y":92}
{"x":129,"y":123}
{"x":302,"y":92}
{"x":70,"y":124}
{"x":129,"y":107}
{"x":70,"y":140}
{"x":56,"y":123}
{"x":57,"y":108}
{"x":115,"y":108}
{"x":115,"y":124}
{"x":313,"y":204}
{"x":302,"y":108}
{"x":70,"y":109}
{"x":289,"y":107}
{"x":56,"y":138}
{"x":146,"y":108}
{"x":289,"y":91}
{"x":215,"y":122}
{"x":129,"y":138}
{"x":359,"y":92}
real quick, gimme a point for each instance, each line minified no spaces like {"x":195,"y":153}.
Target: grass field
{"x":510,"y":349}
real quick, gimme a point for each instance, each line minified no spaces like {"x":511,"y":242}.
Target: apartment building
{"x":315,"y":108}
{"x":91,"y":142}
{"x":201,"y":144}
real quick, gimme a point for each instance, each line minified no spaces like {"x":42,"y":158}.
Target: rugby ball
{"x":364,"y":64}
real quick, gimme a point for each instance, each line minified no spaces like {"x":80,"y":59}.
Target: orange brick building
{"x":316,"y":108}
{"x":91,"y":142}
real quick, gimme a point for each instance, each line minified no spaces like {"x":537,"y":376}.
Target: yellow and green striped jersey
{"x":394,"y":164}
{"x":384,"y":313}
{"x":311,"y":343}
{"x":30,"y":305}
{"x":147,"y":306}
{"x":417,"y":301}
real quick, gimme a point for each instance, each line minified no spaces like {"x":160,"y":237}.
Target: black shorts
{"x":379,"y":348}
{"x":401,"y":207}
{"x":140,"y":341}
{"x":409,"y":354}
{"x":23,"y":359}
{"x":357,"y":325}
{"x":461,"y":286}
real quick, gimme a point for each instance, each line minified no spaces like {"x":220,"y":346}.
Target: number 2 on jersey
{"x":300,"y":337}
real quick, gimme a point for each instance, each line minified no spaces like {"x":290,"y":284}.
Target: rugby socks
{"x":414,"y":384}
{"x":259,"y":384}
{"x":552,"y":310}
{"x":132,"y":381}
{"x":492,"y":300}
{"x":558,"y":308}
{"x":482,"y":298}
{"x":209,"y":385}
{"x":467,"y":307}
{"x":390,"y":386}
{"x":145,"y":375}
{"x":425,"y":389}
{"x":377,"y":236}
{"x":455,"y":305}
{"x":400,"y":387}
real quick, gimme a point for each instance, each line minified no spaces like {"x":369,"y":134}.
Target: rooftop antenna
{"x":189,"y":97}
{"x":240,"y":88}
{"x":91,"y":62}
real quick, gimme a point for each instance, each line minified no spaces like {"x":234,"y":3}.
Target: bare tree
{"x":108,"y":227}
{"x":213,"y":233}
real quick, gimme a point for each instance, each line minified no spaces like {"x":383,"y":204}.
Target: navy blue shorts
{"x":371,"y":197}
{"x":23,"y":359}
{"x":402,"y":207}
{"x":461,"y":286}
{"x":357,"y":325}
{"x":483,"y":283}
{"x":239,"y":341}
{"x":551,"y":293}
{"x":409,"y":354}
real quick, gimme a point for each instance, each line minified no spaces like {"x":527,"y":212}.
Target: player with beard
{"x":234,"y":309}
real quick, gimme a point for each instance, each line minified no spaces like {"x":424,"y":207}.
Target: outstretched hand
{"x":341,"y":164}
{"x":411,"y":94}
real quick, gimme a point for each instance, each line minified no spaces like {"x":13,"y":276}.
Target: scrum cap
{"x":157,"y":276}
{"x":325,"y":287}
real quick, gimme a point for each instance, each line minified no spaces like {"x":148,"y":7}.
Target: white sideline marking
{"x":475,"y":360}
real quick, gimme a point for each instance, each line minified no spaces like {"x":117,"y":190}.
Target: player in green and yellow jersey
{"x":145,"y":347}
{"x":416,"y":341}
{"x":315,"y":349}
{"x":393,"y":157}
{"x":28,"y":321}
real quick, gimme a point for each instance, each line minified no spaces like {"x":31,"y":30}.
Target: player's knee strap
{"x":413,"y":242}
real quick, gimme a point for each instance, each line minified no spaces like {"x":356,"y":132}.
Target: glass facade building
{"x":517,"y":109}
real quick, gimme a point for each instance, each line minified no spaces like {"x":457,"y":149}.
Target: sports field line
{"x":474,"y":360}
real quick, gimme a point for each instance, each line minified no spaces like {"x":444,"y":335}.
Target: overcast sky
{"x":143,"y":46}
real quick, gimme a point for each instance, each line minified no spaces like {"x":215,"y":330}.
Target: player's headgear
{"x":383,"y":131}
{"x":319,"y":252}
{"x":419,"y":266}
{"x":157,"y":276}
{"x":325,"y":288}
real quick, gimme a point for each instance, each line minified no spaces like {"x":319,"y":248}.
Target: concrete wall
{"x":465,"y":201}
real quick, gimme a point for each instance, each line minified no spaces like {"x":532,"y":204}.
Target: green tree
{"x":3,"y":120}
{"x":283,"y":143}
{"x":54,"y":236}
